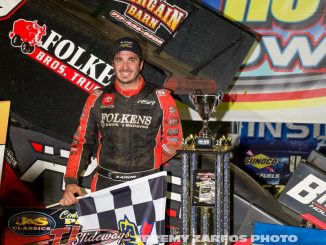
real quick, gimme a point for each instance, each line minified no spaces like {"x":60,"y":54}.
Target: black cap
{"x":128,"y":44}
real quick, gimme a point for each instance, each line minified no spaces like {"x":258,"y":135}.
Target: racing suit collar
{"x":130,"y":92}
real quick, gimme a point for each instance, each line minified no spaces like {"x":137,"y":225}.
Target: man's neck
{"x":129,"y":90}
{"x":129,"y":86}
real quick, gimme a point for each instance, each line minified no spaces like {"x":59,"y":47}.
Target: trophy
{"x":205,"y":105}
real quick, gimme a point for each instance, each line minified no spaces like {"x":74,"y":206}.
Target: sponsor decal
{"x":31,"y":223}
{"x":108,"y":100}
{"x":101,"y":236}
{"x":117,"y":16}
{"x":96,"y":92}
{"x":125,"y":120}
{"x":116,"y":176}
{"x":26,"y":35}
{"x":172,"y":139}
{"x":172,"y":109}
{"x":10,"y":158}
{"x":172,"y":121}
{"x":76,"y":136}
{"x":160,"y":92}
{"x":59,"y":234}
{"x":312,"y":191}
{"x":66,"y":59}
{"x":73,"y":150}
{"x":269,"y":176}
{"x":204,"y":187}
{"x":173,"y":132}
{"x":305,"y":192}
{"x":147,"y":17}
{"x":126,"y":44}
{"x":167,"y":149}
{"x":146,"y":102}
{"x":69,"y":217}
{"x":260,"y":161}
{"x":130,"y":228}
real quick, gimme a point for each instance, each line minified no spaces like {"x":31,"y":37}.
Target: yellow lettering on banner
{"x":132,"y":10}
{"x":167,"y":14}
{"x":290,"y":11}
{"x":151,"y":5}
{"x":175,"y":19}
{"x":160,"y":10}
{"x":146,"y":19}
{"x":139,"y":14}
{"x":138,"y":1}
{"x":286,"y":11}
{"x":235,"y":9}
{"x":153,"y":23}
{"x":258,"y":10}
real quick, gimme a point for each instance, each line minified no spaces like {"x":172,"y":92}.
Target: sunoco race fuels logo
{"x":260,"y":161}
{"x":31,"y":223}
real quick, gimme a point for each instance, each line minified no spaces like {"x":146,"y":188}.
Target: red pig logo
{"x":26,"y":34}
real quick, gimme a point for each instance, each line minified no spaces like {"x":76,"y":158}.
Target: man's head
{"x":127,"y":61}
{"x":127,"y":44}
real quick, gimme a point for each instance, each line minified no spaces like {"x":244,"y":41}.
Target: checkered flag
{"x":138,"y":205}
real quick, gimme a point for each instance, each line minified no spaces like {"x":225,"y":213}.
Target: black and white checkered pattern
{"x":141,"y":201}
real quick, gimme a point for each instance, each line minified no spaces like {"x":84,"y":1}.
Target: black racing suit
{"x":133,"y":134}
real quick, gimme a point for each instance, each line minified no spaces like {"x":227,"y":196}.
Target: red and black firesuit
{"x":134,"y":133}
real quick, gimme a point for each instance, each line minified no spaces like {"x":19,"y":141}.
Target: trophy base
{"x":204,"y":143}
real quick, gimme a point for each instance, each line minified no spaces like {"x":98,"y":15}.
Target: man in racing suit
{"x":134,"y":125}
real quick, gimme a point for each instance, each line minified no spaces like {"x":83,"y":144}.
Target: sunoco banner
{"x":284,"y":77}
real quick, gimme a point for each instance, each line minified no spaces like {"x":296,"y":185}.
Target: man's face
{"x":127,"y":66}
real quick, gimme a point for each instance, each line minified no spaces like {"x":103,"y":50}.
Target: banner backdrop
{"x":284,"y":77}
{"x":57,"y":52}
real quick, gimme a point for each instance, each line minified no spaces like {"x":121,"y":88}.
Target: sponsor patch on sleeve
{"x":161,"y":92}
{"x":172,"y":109}
{"x":96,"y":92}
{"x":172,"y":139}
{"x":172,"y":132}
{"x":172,"y":121}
